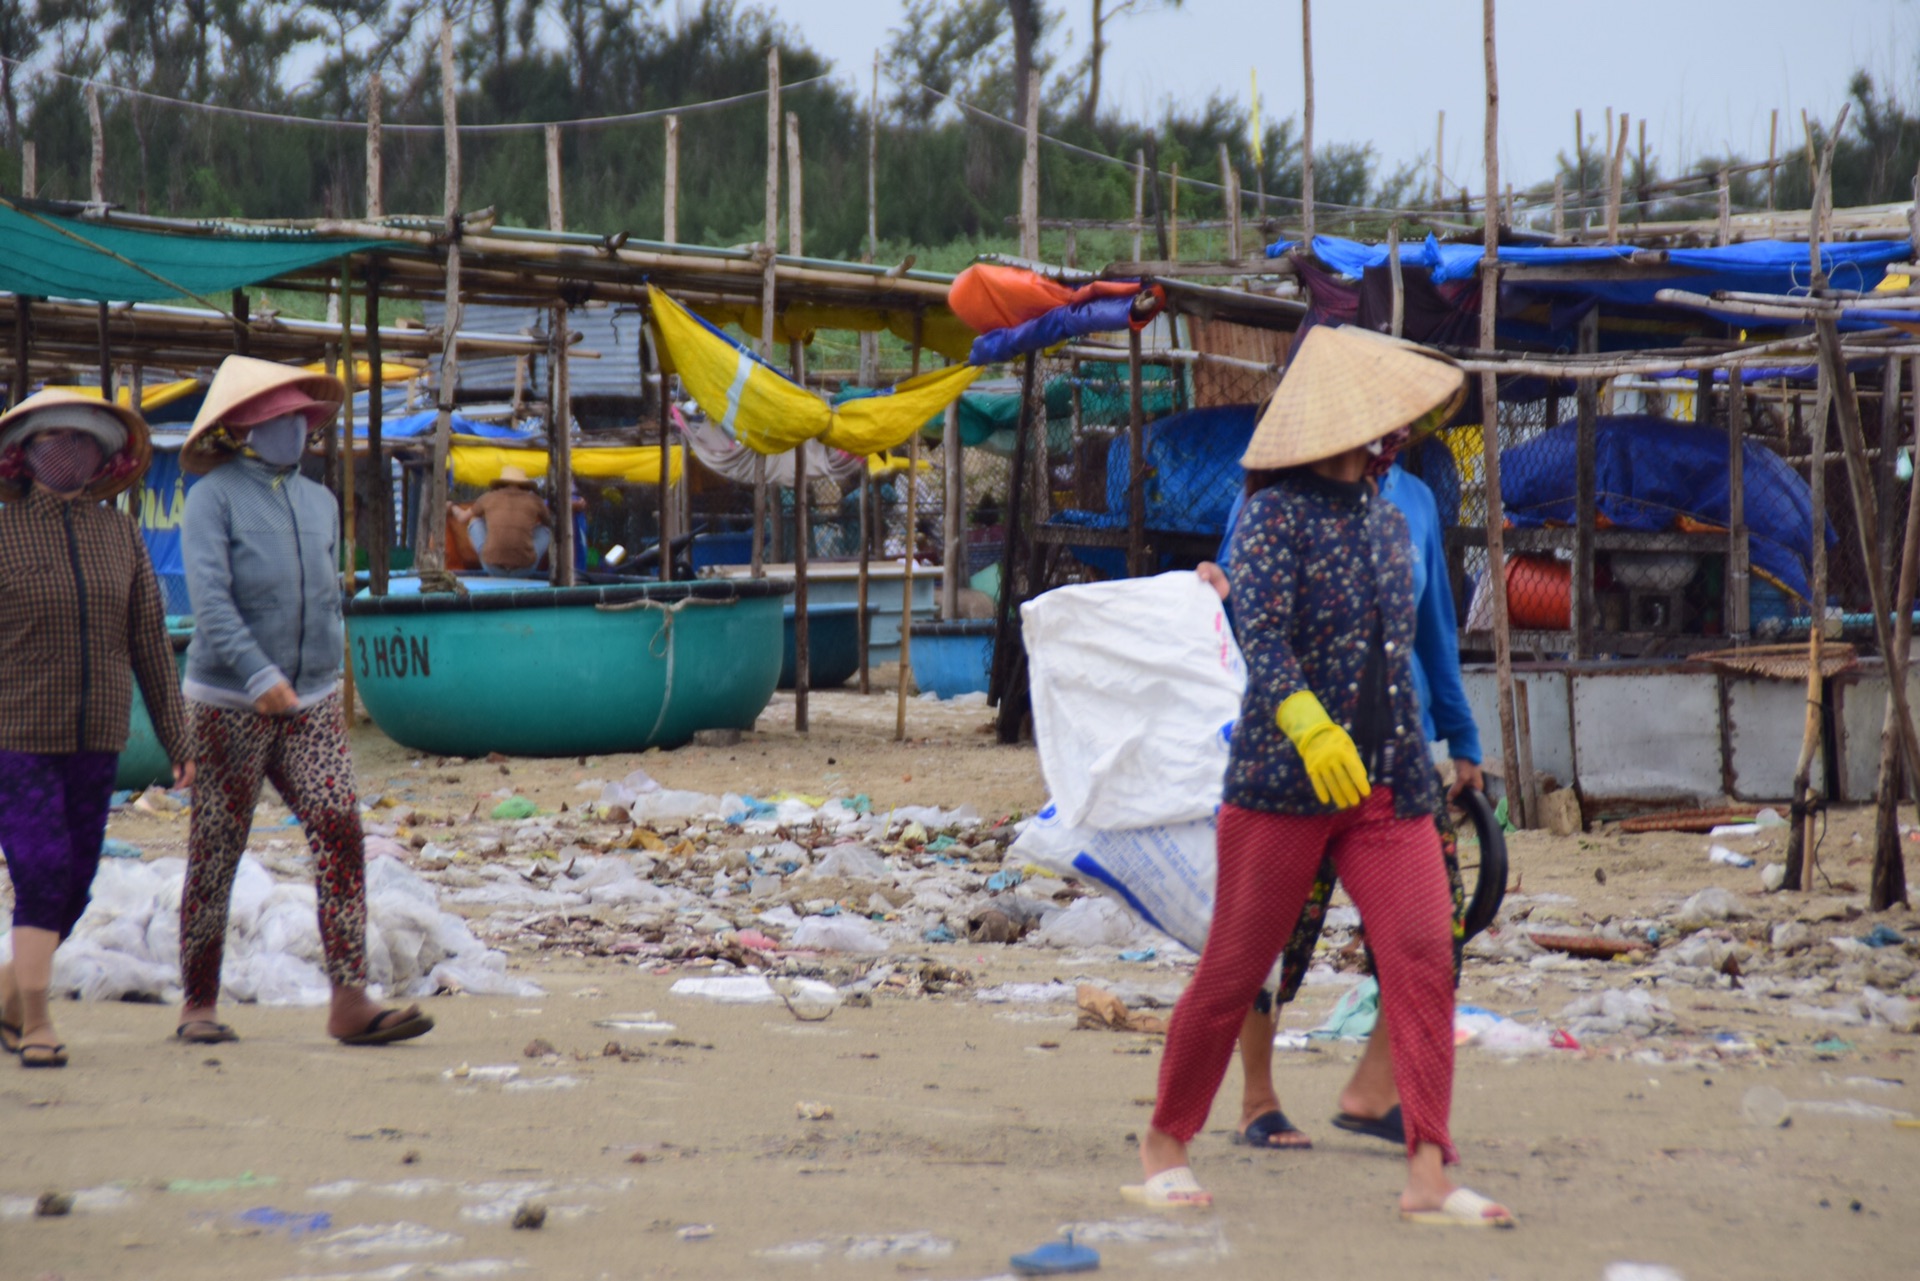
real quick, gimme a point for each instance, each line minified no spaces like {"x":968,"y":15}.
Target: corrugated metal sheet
{"x":613,"y":332}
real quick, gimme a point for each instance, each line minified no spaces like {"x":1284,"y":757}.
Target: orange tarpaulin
{"x":988,"y":296}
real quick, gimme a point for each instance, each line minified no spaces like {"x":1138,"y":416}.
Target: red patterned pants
{"x":305,"y":757}
{"x":1392,"y":870}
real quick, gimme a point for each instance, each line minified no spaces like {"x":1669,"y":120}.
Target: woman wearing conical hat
{"x":1328,"y":760}
{"x":261,"y":545}
{"x":79,"y":608}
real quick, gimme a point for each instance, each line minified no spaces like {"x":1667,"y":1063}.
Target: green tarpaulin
{"x":44,"y":256}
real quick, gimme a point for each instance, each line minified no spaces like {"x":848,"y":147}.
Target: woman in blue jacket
{"x":261,"y":545}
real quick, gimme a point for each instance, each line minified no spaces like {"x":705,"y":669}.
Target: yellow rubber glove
{"x":1332,"y":761}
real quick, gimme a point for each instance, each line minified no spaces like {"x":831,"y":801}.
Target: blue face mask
{"x":279,"y":442}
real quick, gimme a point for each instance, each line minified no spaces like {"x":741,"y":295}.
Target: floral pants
{"x":305,"y":757}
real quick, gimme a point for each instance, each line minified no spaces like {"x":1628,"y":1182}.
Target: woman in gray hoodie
{"x":261,"y":544}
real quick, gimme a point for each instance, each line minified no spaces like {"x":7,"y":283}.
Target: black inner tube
{"x":1484,"y":896}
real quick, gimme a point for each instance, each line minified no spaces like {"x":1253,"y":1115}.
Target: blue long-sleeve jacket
{"x":1444,"y":713}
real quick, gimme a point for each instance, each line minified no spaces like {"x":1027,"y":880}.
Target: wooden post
{"x":1306,"y":120}
{"x":1559,"y":206}
{"x":1889,"y":876}
{"x":1230,"y":197}
{"x":1641,"y":195}
{"x":1887,"y":484}
{"x":1725,"y":234}
{"x":796,"y":352}
{"x":864,"y":640}
{"x":29,"y":170}
{"x":1773,"y":154}
{"x":759,"y":553}
{"x":1136,"y":462}
{"x":873,"y":165}
{"x":670,"y":213}
{"x":665,"y":491}
{"x":376,"y":182}
{"x":1801,"y":820}
{"x":351,"y":575}
{"x":560,"y":396}
{"x":430,"y":540}
{"x":905,"y":675}
{"x":1739,"y":609}
{"x":953,"y":567}
{"x":1613,"y":184}
{"x":1586,"y":500}
{"x":106,"y":355}
{"x":1139,"y":200}
{"x":1030,"y":175}
{"x":1397,"y":321}
{"x":1439,"y":157}
{"x":22,"y":349}
{"x":379,"y":487}
{"x":242,"y":322}
{"x":1518,"y":785}
{"x":97,"y":170}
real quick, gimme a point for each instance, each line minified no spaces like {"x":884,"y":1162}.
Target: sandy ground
{"x":961,"y":1131}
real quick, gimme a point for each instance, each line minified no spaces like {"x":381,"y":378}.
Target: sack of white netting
{"x":1164,"y":874}
{"x":1135,"y":688}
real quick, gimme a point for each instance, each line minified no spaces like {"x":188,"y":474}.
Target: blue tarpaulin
{"x":1077,"y":320}
{"x":421,"y":424}
{"x":1649,"y":472}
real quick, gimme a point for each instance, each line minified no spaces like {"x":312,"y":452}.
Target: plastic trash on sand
{"x":1164,"y":873}
{"x":751,"y":989}
{"x":1497,"y":1033}
{"x":1353,"y":1015}
{"x":837,"y":934}
{"x":1092,"y":923}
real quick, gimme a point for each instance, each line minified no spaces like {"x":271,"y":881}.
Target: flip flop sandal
{"x":389,"y":1026}
{"x":1261,"y":1130}
{"x":10,"y":1038}
{"x":43,"y":1056}
{"x":1463,"y":1208}
{"x":208,"y":1032}
{"x":1056,"y":1258}
{"x":1390,"y":1127}
{"x":1174,"y":1189}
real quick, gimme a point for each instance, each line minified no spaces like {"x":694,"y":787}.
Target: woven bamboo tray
{"x":1781,"y":662}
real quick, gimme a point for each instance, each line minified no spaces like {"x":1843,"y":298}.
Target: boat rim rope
{"x":661,"y":646}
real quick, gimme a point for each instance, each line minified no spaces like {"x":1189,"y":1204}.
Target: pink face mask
{"x":65,"y":462}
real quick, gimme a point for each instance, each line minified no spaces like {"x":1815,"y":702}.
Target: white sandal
{"x":1169,"y":1190}
{"x":1463,"y":1208}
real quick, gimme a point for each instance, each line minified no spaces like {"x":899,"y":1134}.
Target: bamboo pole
{"x":1136,"y":462}
{"x":1173,"y":213}
{"x":1725,"y":194}
{"x":905,"y":674}
{"x":560,"y":398}
{"x":1889,"y":875}
{"x":1306,"y":121}
{"x":767,"y":299}
{"x":1586,"y":497}
{"x":1398,"y":320}
{"x":1800,"y":823}
{"x":953,"y":558}
{"x":1139,"y":201}
{"x":1613,"y":183}
{"x":1773,"y":153}
{"x":22,"y":349}
{"x":1517,"y":785}
{"x":106,"y":354}
{"x":665,"y":492}
{"x":1030,"y":174}
{"x":1739,"y":607}
{"x":29,"y":170}
{"x":1230,"y":197}
{"x":348,"y":710}
{"x":1559,"y":206}
{"x":670,"y":213}
{"x":379,"y":489}
{"x":802,"y":675}
{"x":97,"y":167}
{"x":242,"y":322}
{"x":869,"y":376}
{"x":430,"y":546}
{"x":1439,"y":157}
{"x":376,"y":182}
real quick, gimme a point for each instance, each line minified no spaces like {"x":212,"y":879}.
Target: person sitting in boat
{"x":510,"y":525}
{"x":262,"y":550}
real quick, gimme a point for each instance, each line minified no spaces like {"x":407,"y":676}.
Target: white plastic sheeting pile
{"x":128,"y":943}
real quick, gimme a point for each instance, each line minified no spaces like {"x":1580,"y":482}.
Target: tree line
{"x":946,"y":177}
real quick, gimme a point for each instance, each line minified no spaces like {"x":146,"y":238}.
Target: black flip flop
{"x":389,"y":1026}
{"x":10,"y":1037}
{"x":1260,"y":1131}
{"x":1389,"y":1127}
{"x":43,"y":1056}
{"x":218,"y":1034}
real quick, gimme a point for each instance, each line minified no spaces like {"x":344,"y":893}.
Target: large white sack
{"x":1165,"y":875}
{"x":1136,"y":685}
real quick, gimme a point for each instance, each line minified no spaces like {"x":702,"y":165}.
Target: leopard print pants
{"x":305,"y":756}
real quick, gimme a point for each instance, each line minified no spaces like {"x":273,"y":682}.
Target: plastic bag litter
{"x":1475,"y":1026}
{"x":1712,"y":904}
{"x":1354,"y":1014}
{"x":1164,"y":873}
{"x":1610,"y":1012}
{"x":750,"y":989}
{"x":1133,"y":685}
{"x":854,"y":862}
{"x":836,"y":934}
{"x":1640,"y":1272}
{"x":1092,"y":922}
{"x":128,"y":943}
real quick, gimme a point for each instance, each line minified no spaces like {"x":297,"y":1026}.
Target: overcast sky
{"x":1705,"y":74}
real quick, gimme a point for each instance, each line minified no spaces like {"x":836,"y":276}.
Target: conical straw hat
{"x":511,"y":475}
{"x":1348,"y":387}
{"x":239,"y":380}
{"x":123,"y":467}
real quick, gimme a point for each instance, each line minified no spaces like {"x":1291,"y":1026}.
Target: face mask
{"x":64,"y":463}
{"x":279,"y":442}
{"x":1385,"y":450}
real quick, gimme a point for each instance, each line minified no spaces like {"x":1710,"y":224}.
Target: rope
{"x":271,"y":117}
{"x":661,"y":646}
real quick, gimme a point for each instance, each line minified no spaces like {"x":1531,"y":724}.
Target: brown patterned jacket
{"x":80,"y":613}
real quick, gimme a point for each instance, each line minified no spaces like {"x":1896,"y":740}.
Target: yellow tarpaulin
{"x":363,"y":372}
{"x":940,"y":330}
{"x":151,"y":398}
{"x":479,"y":465}
{"x":771,"y":414}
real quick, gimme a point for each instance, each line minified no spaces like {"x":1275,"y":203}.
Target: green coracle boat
{"x":143,"y":763}
{"x":543,"y":671}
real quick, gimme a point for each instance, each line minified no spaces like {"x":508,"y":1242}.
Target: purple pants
{"x":53,"y":818}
